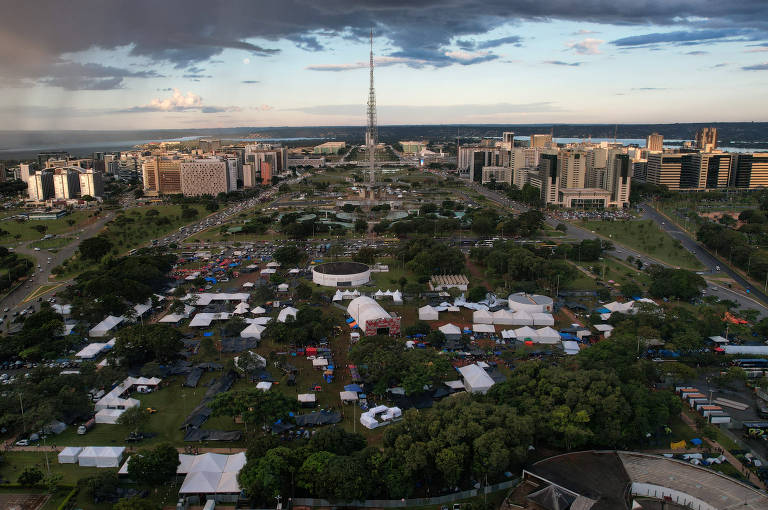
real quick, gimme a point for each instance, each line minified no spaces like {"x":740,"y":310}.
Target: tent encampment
{"x":483,"y":328}
{"x":482,"y":317}
{"x":286,"y":312}
{"x":451,"y":331}
{"x":547,"y":335}
{"x":252,"y":331}
{"x":428,"y":313}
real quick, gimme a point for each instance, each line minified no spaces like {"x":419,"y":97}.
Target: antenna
{"x":372,"y":132}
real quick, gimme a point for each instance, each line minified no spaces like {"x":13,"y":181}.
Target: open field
{"x":646,"y":237}
{"x":26,"y":230}
{"x":139,"y":228}
{"x":53,"y":243}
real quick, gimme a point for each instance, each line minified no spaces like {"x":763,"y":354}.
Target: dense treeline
{"x":734,"y":245}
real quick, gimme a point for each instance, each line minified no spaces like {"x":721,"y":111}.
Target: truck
{"x":85,"y":427}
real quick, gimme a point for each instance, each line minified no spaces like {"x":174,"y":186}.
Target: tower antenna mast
{"x":372,"y":131}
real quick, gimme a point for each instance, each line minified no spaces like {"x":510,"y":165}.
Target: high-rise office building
{"x":91,"y":184}
{"x":714,"y":169}
{"x":40,"y":185}
{"x":750,"y":170}
{"x":232,"y":173}
{"x":706,"y":139}
{"x":550,"y":176}
{"x":25,"y":171}
{"x":162,"y":176}
{"x":541,"y":141}
{"x":266,"y":173}
{"x":664,"y":170}
{"x":472,"y":159}
{"x":66,"y":183}
{"x":250,"y":179}
{"x":655,"y":142}
{"x":619,"y":179}
{"x":204,"y":177}
{"x":573,"y":169}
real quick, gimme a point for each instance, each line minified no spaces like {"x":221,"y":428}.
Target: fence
{"x":404,"y":503}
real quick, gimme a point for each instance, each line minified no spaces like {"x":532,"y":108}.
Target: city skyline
{"x":285,"y":64}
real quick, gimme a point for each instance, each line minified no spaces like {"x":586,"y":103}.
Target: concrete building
{"x":66,"y":183}
{"x":498,"y":174}
{"x":412,"y":147}
{"x":250,"y":180}
{"x":25,"y":171}
{"x":40,"y":186}
{"x":706,"y":139}
{"x":550,"y":177}
{"x":266,"y":173}
{"x":91,"y":184}
{"x":128,"y":168}
{"x":541,"y":141}
{"x":714,"y":169}
{"x":275,"y":155}
{"x":654,"y":142}
{"x":750,"y":170}
{"x":232,"y":173}
{"x":619,"y":180}
{"x":306,"y":161}
{"x":329,"y":148}
{"x":162,"y":176}
{"x":473,"y":158}
{"x":573,"y":169}
{"x":208,"y":145}
{"x":204,"y":177}
{"x":665,"y":170}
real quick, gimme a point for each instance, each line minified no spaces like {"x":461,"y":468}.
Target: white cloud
{"x":757,"y":50}
{"x":588,"y":46}
{"x":378,"y":61}
{"x":177,"y":101}
{"x":466,"y":55}
{"x":246,"y":60}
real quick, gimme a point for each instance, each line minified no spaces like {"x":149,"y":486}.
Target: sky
{"x":144,"y":64}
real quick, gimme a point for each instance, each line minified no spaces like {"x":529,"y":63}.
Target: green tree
{"x":134,"y":417}
{"x":142,"y":343}
{"x":30,"y":476}
{"x":477,"y":293}
{"x":136,"y":503}
{"x":253,"y":406}
{"x":155,"y":466}
{"x":95,"y":248}
{"x":303,"y":290}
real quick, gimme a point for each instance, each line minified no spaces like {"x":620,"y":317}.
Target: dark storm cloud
{"x":683,"y":37}
{"x":183,"y":33}
{"x":492,"y":43}
{"x":697,"y":53}
{"x":77,"y":76}
{"x":757,"y":67}
{"x":250,"y":82}
{"x":561,"y":63}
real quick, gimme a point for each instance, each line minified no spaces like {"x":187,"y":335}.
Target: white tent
{"x":451,"y":331}
{"x":247,"y":285}
{"x":294,"y":270}
{"x":69,"y":455}
{"x":283,"y":287}
{"x":201,"y":482}
{"x":397,"y":297}
{"x":605,"y":329}
{"x":264,"y":386}
{"x":476,"y":380}
{"x":503,"y":317}
{"x":252,"y":331}
{"x":522,"y":318}
{"x":526,"y":332}
{"x":319,"y":362}
{"x":273,"y":264}
{"x":108,"y":416}
{"x":338,"y":296}
{"x":241,"y":308}
{"x":104,"y":327}
{"x":428,"y":313}
{"x":483,"y":328}
{"x":378,"y":294}
{"x":508,"y":334}
{"x":90,"y":351}
{"x":348,"y":396}
{"x":268,"y":270}
{"x":547,"y":335}
{"x":571,"y":347}
{"x":286,"y":312}
{"x":261,"y":321}
{"x":542,"y":319}
{"x":482,"y":317}
{"x":101,"y":456}
{"x":258,"y":310}
{"x":307,"y":399}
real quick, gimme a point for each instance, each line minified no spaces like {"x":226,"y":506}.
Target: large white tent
{"x":241,"y":308}
{"x":108,"y":416}
{"x":503,"y":317}
{"x":104,"y":327}
{"x":258,"y":310}
{"x":451,"y":331}
{"x":547,"y":335}
{"x":482,"y":317}
{"x":476,"y":379}
{"x":526,"y":332}
{"x":522,"y":318}
{"x":69,"y":455}
{"x":571,"y":347}
{"x":483,"y":328}
{"x":252,"y":331}
{"x":101,"y":456}
{"x":428,"y":313}
{"x":542,"y":319}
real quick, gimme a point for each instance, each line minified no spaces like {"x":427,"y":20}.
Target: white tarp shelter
{"x":760,"y":350}
{"x":542,"y":319}
{"x":605,"y":329}
{"x":91,"y":350}
{"x":283,"y":287}
{"x":483,"y":328}
{"x":241,"y":308}
{"x":476,"y":380}
{"x":104,"y":327}
{"x":69,"y":455}
{"x":258,"y":310}
{"x":264,"y":386}
{"x":108,"y":416}
{"x":571,"y":347}
{"x":286,"y":312}
{"x":428,"y":313}
{"x":101,"y":456}
{"x":526,"y":332}
{"x":348,"y":396}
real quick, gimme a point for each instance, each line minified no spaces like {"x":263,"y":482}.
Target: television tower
{"x":371,"y":134}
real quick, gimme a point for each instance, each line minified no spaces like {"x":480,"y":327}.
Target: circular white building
{"x":341,"y":274}
{"x":531,"y":303}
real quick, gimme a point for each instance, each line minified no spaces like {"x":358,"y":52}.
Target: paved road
{"x":710,"y":262}
{"x":14,"y":300}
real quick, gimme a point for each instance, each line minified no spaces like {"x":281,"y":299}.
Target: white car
{"x":23,"y":442}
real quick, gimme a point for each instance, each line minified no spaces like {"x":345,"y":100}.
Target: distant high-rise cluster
{"x":212,"y":169}
{"x":62,"y":179}
{"x":579,"y":175}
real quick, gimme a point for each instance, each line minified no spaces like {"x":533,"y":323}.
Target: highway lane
{"x":701,"y":252}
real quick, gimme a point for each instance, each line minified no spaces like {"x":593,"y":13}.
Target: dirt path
{"x":477,"y":272}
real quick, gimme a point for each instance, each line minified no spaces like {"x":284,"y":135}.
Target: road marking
{"x":40,"y":291}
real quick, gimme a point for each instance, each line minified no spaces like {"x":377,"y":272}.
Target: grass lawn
{"x":646,"y":237}
{"x":138,"y":228}
{"x":54,"y":243}
{"x":15,"y":462}
{"x":26,"y":229}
